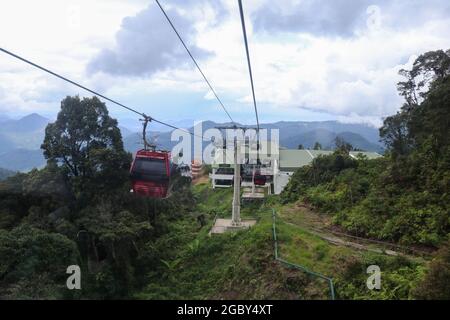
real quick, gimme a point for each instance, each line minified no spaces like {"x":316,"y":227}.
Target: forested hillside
{"x":72,"y":212}
{"x":405,"y":195}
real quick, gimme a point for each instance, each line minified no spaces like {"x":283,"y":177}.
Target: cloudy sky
{"x":312,"y":59}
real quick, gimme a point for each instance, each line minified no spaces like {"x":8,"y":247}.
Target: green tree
{"x":86,"y":142}
{"x":317,"y":146}
{"x":300,"y":147}
{"x":420,"y":117}
{"x":429,"y":67}
{"x":394,"y":133}
{"x":436,"y":283}
{"x":342,"y":145}
{"x":33,"y":263}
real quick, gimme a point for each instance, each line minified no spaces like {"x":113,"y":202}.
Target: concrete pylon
{"x":253,"y":181}
{"x":236,"y":214}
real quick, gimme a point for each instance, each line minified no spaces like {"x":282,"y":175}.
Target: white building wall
{"x":215,"y":177}
{"x":280,"y":180}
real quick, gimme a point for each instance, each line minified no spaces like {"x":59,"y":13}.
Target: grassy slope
{"x":241,"y":265}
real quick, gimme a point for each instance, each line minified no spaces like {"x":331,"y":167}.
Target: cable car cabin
{"x":150,"y":174}
{"x":259,"y":179}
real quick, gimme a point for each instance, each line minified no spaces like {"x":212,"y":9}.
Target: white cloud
{"x":352,"y":78}
{"x":44,"y":32}
{"x":355,"y":118}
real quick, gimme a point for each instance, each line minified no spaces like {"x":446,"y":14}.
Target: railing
{"x":221,"y":176}
{"x":296,"y":266}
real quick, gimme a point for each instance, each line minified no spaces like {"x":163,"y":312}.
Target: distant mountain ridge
{"x":4,"y":173}
{"x":291,"y":134}
{"x":3,"y":118}
{"x":20,"y":140}
{"x":25,"y":133}
{"x":327,"y":140}
{"x":30,"y":123}
{"x":22,"y":160}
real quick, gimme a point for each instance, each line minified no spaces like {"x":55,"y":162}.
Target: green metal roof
{"x":369,"y":155}
{"x":292,"y":159}
{"x":317,"y":153}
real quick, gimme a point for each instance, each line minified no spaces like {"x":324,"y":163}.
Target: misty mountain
{"x":5,"y":143}
{"x":4,"y":173}
{"x":20,"y":140}
{"x":293,"y":128}
{"x":308,"y":139}
{"x":29,"y":123}
{"x":125,"y":131}
{"x":25,"y":133}
{"x":327,"y":140}
{"x":22,"y":159}
{"x":291,"y":134}
{"x":359,"y":142}
{"x":3,"y":118}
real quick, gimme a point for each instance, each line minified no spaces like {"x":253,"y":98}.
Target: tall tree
{"x":425,"y":115}
{"x":342,"y":145}
{"x":86,"y":142}
{"x":317,"y":146}
{"x":394,"y":133}
{"x":429,"y":67}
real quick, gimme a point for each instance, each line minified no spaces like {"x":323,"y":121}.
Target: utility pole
{"x":235,"y":223}
{"x":236,"y":214}
{"x":253,"y":181}
{"x":236,"y":210}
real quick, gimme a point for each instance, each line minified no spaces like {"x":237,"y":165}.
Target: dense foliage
{"x":404,"y":196}
{"x":78,"y":210}
{"x":87,"y":144}
{"x":436,"y":285}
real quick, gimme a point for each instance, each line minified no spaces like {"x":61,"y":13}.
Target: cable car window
{"x":149,"y":169}
{"x":150,"y":166}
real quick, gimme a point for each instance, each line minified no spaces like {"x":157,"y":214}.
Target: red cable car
{"x":259,"y":179}
{"x":150,"y":171}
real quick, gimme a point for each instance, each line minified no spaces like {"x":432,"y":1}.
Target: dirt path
{"x":320,"y":225}
{"x":341,"y":242}
{"x":203,"y":178}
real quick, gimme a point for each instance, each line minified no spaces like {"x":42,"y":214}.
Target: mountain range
{"x":5,"y":174}
{"x":291,"y":134}
{"x":20,"y":139}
